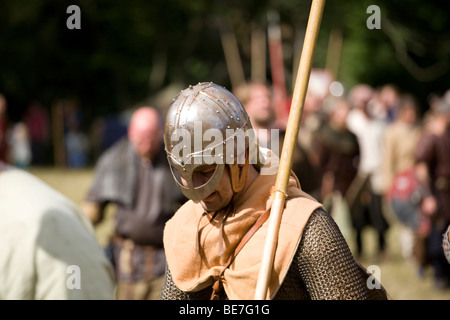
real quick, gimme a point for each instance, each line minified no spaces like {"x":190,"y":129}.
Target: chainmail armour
{"x":323,"y":268}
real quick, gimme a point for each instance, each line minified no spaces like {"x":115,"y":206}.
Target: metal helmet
{"x":207,"y":125}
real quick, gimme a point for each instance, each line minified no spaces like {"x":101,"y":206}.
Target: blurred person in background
{"x":389,"y":96}
{"x":398,"y":151}
{"x":256,"y":97}
{"x":3,"y":129}
{"x":412,"y":203}
{"x":365,"y":195}
{"x":433,"y":151}
{"x":306,"y":158}
{"x":400,"y":142}
{"x":134,"y":175}
{"x":305,"y":161}
{"x":77,"y":147}
{"x":257,"y":100}
{"x":19,"y":142}
{"x":76,"y":141}
{"x":38,"y":124}
{"x":338,"y":151}
{"x":49,"y":250}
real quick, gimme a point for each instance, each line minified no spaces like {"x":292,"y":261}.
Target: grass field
{"x":400,"y":278}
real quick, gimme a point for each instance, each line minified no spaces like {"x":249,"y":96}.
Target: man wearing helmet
{"x":214,"y":243}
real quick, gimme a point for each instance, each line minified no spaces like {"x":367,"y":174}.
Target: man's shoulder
{"x":118,"y":147}
{"x":42,"y":199}
{"x":111,"y":156}
{"x":182,"y":224}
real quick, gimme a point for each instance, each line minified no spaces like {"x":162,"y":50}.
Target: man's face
{"x":259,"y":105}
{"x":223,"y":193}
{"x":146,"y":140}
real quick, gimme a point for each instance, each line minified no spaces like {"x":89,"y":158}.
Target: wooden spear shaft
{"x":293,"y":125}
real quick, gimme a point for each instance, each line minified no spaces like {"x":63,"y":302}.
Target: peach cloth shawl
{"x":193,"y":270}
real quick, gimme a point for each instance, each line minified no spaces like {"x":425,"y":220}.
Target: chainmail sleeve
{"x":325,"y":263}
{"x":171,"y":292}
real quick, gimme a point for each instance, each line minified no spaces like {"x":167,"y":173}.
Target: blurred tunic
{"x":400,"y":143}
{"x":338,"y":153}
{"x":435,"y":152}
{"x":146,"y":196}
{"x":45,"y":240}
{"x":370,"y":134}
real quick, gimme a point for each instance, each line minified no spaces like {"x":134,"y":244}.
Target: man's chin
{"x":211,"y":206}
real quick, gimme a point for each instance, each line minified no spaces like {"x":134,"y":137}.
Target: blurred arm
{"x":94,"y":211}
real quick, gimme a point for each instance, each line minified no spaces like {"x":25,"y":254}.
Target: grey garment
{"x":146,"y":195}
{"x":115,"y":175}
{"x":323,"y":268}
{"x":144,"y":222}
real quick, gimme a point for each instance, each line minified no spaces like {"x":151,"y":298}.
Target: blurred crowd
{"x":379,"y":160}
{"x":58,"y":136}
{"x":33,"y":138}
{"x":373,"y":156}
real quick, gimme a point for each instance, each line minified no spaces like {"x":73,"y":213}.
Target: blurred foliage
{"x":127,"y":51}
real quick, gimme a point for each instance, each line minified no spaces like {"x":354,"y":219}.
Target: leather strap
{"x":217,"y":286}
